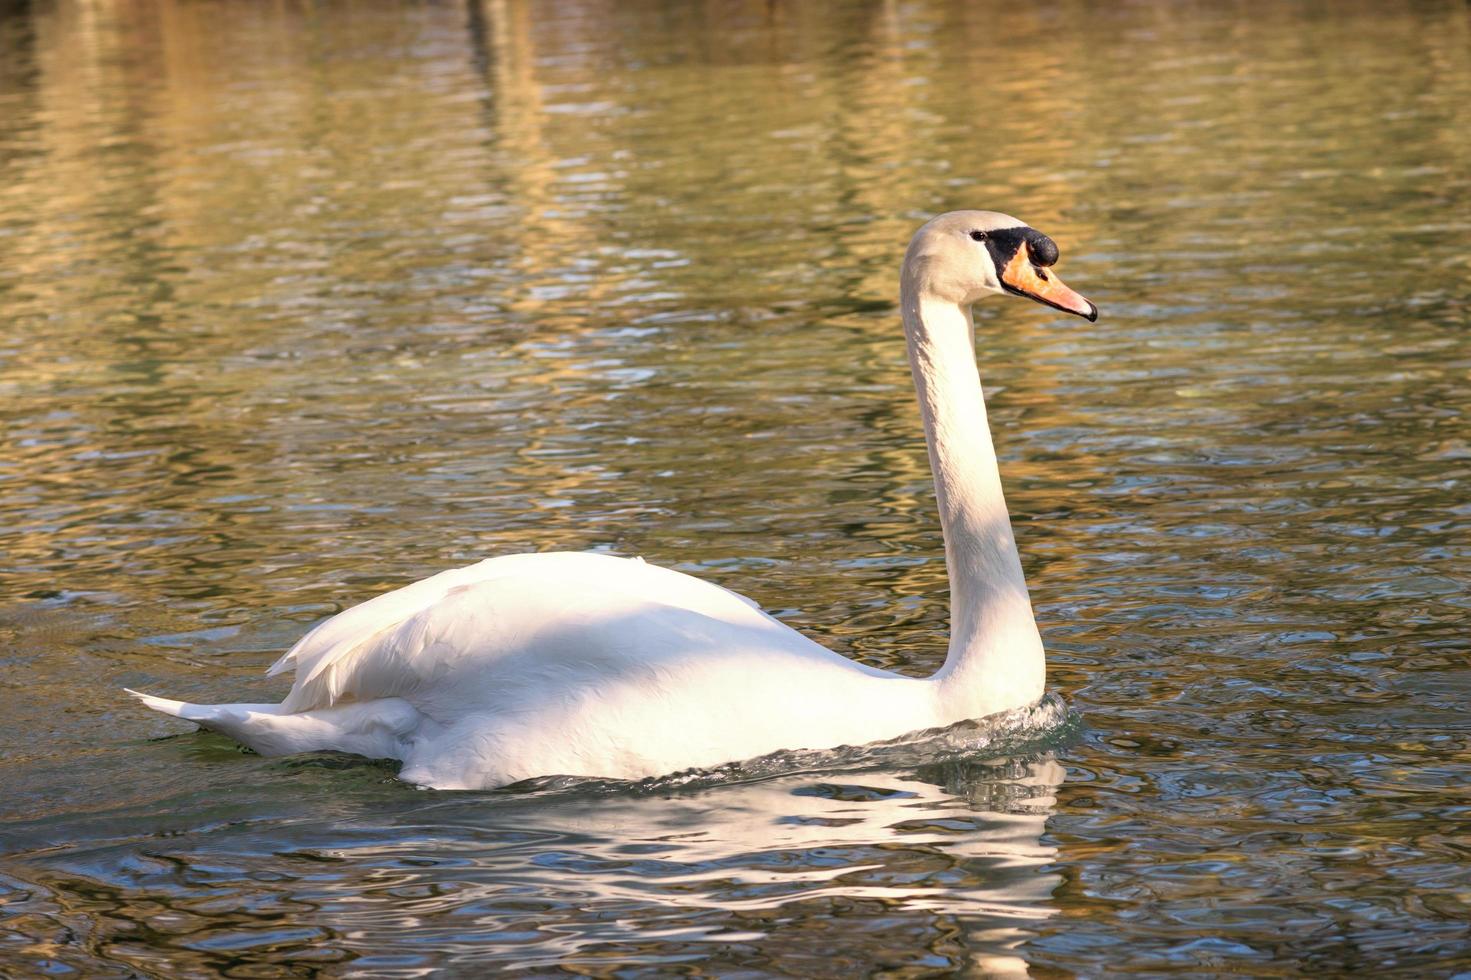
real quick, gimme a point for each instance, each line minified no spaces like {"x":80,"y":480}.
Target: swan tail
{"x":249,"y":724}
{"x":179,"y":709}
{"x":376,"y":729}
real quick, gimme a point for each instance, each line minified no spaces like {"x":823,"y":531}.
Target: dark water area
{"x":300,"y":303}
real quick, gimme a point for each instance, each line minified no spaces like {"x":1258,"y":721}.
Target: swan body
{"x":592,"y":665}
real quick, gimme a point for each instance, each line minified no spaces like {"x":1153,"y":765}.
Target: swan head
{"x":963,"y":256}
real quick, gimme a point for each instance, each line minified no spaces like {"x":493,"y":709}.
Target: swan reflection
{"x":733,"y":866}
{"x":823,"y":872}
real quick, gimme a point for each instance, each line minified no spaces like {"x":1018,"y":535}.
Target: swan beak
{"x":1025,"y":278}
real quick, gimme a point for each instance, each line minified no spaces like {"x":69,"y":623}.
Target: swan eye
{"x":978,"y":236}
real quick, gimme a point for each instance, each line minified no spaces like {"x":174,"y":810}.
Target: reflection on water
{"x":940,"y":866}
{"x":300,"y":303}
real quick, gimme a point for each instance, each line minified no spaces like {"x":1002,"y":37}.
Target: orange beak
{"x":1025,"y":278}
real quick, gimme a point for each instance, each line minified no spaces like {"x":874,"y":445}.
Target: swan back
{"x":376,"y":649}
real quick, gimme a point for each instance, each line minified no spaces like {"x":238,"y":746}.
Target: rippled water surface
{"x":301,"y":302}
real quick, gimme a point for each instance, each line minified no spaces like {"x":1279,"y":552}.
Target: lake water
{"x":302,"y":302}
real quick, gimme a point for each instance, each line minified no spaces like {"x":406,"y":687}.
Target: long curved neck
{"x":995,"y":661}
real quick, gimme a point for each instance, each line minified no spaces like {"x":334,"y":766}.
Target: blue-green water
{"x":301,"y":303}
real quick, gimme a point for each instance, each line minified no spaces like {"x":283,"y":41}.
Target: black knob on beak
{"x":1042,"y":249}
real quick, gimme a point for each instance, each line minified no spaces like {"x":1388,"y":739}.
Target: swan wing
{"x":422,"y":634}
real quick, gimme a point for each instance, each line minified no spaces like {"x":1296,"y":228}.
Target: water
{"x":303,"y":302}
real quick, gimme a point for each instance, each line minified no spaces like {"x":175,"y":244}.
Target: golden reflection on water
{"x":301,"y":302}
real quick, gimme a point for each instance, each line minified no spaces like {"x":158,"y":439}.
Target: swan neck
{"x":995,"y":659}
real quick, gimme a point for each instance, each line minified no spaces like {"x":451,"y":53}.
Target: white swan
{"x":591,"y":665}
